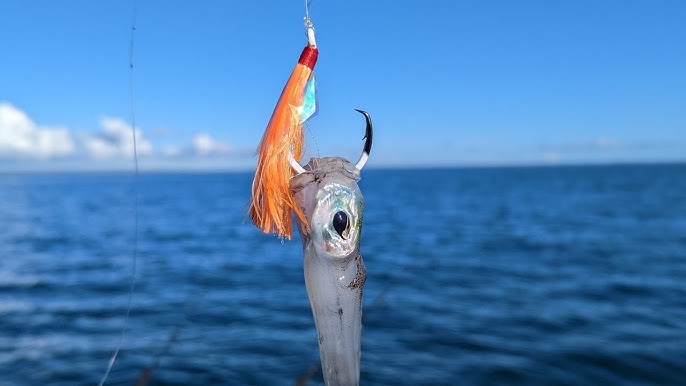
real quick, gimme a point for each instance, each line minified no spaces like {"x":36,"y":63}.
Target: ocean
{"x":564,"y":275}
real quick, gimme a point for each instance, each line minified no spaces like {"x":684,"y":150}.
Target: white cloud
{"x":30,"y":146}
{"x":204,"y":145}
{"x":21,"y":137}
{"x":115,"y":139}
{"x":171,"y":151}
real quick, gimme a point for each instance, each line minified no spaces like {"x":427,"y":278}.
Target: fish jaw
{"x":334,"y":288}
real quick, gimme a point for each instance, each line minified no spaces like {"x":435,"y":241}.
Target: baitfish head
{"x":326,"y":191}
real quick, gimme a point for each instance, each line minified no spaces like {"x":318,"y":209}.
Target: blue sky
{"x":446,"y":82}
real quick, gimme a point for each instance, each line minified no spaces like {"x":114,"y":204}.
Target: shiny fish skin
{"x":333,"y":267}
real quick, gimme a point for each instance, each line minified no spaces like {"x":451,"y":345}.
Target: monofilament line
{"x":135,"y":204}
{"x":307,"y":8}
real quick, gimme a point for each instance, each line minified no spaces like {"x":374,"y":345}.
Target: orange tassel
{"x":272,"y":202}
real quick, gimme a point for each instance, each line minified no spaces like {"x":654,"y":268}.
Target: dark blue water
{"x":552,"y":275}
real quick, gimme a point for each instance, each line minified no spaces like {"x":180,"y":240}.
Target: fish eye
{"x":341,"y":223}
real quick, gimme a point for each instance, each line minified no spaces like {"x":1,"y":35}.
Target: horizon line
{"x":427,"y":166}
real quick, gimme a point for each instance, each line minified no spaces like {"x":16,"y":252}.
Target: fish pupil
{"x":340,"y":223}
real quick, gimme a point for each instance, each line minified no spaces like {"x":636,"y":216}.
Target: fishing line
{"x":314,"y":139}
{"x":307,"y":9}
{"x":134,"y":253}
{"x":309,"y":130}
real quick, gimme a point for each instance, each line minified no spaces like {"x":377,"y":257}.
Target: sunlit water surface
{"x":551,"y":275}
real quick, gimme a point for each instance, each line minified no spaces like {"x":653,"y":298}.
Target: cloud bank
{"x":20,"y":137}
{"x":110,"y":145}
{"x":205,"y":145}
{"x":115,"y":140}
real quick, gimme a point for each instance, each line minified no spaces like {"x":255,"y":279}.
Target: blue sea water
{"x":525,"y":276}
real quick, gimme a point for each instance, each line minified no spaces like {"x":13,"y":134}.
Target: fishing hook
{"x":365,"y":151}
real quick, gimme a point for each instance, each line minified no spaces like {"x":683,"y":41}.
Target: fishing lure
{"x":272,"y":203}
{"x":328,"y":207}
